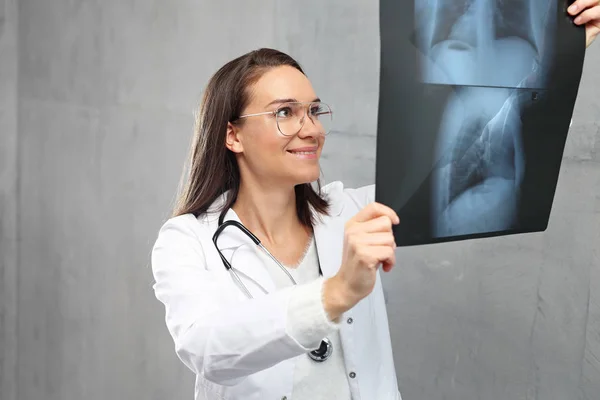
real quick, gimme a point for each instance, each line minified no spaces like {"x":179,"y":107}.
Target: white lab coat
{"x":239,"y":348}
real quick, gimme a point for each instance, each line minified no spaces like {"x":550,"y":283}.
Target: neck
{"x":268,"y":211}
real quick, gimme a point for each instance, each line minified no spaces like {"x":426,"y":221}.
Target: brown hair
{"x":213,"y":167}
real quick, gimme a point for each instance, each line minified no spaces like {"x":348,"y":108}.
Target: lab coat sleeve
{"x":222,"y":343}
{"x":308,"y":321}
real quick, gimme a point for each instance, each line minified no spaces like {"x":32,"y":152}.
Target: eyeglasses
{"x":291,"y":117}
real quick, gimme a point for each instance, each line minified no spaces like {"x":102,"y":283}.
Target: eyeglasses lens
{"x":291,"y":117}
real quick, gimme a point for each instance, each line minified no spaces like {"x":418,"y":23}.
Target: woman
{"x":246,"y":335}
{"x":310,"y":322}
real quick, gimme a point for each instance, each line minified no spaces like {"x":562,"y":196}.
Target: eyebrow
{"x":290,"y":100}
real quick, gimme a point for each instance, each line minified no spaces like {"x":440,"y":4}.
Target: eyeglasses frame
{"x":274,"y":113}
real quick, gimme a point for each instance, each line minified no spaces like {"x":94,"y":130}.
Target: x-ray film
{"x":476,"y":99}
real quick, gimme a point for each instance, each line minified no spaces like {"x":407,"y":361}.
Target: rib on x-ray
{"x":483,"y":83}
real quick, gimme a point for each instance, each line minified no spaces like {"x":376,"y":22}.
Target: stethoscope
{"x":326,"y":348}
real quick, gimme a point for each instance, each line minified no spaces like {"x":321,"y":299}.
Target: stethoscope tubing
{"x":326,"y":348}
{"x":256,"y":241}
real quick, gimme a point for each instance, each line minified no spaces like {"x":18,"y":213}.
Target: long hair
{"x":213,"y":168}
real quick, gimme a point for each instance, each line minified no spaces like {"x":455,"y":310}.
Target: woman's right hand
{"x":368,"y":243}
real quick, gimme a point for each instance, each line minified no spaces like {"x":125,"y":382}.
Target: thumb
{"x":591,"y":31}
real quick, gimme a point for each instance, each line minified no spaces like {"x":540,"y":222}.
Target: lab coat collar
{"x":233,"y":238}
{"x":230,"y":237}
{"x":328,"y":233}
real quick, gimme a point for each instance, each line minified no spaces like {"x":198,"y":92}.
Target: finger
{"x":580,"y":5}
{"x":380,"y":224}
{"x":386,"y":267}
{"x":376,"y":255}
{"x":378,"y":239}
{"x":591,"y":14}
{"x":375,"y":210}
{"x":390,"y":260}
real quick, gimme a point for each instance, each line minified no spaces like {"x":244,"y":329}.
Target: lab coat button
{"x":350,"y":320}
{"x":284,"y":398}
{"x":352,"y":375}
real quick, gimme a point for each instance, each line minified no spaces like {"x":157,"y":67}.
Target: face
{"x":260,"y":147}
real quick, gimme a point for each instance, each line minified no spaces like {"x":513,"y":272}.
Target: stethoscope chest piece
{"x":323,"y":352}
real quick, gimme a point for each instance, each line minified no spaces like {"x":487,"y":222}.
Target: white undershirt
{"x":306,"y":316}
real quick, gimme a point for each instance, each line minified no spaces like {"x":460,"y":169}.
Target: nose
{"x":310,"y":126}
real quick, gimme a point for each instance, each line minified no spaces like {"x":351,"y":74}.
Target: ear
{"x":232,"y":140}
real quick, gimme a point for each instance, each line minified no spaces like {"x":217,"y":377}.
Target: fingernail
{"x":572,"y":9}
{"x":578,"y":20}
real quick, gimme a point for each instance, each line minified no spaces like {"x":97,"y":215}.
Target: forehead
{"x":282,"y":83}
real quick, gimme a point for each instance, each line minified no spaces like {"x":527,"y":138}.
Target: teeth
{"x":303,"y":152}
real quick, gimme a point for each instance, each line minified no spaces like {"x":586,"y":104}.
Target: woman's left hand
{"x":588,"y":13}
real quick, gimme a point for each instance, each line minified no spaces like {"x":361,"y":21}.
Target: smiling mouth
{"x":303,"y":152}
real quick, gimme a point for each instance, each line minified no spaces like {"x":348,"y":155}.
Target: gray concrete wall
{"x":8,"y":197}
{"x":106,"y":95}
{"x":580,"y":196}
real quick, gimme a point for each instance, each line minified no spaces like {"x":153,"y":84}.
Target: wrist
{"x":335,"y":299}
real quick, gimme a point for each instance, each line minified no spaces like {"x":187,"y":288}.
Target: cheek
{"x":266,"y":148}
{"x":321,"y":143}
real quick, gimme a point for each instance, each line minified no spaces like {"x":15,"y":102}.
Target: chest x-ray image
{"x":476,"y":98}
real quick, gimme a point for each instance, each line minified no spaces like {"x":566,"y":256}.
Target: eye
{"x":283,"y":112}
{"x":317,"y":110}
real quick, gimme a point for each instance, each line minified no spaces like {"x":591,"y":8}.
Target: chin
{"x":309,"y":176}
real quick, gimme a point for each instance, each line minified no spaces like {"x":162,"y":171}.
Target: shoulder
{"x":178,"y":231}
{"x":185,"y":223}
{"x":342,"y":197}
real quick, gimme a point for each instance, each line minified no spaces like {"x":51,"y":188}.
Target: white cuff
{"x":307,"y":320}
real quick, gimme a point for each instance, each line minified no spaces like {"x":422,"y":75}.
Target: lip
{"x":304,"y":149}
{"x":305,"y":153}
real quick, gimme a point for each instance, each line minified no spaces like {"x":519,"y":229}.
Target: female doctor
{"x":303,"y":316}
{"x":272,"y":288}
